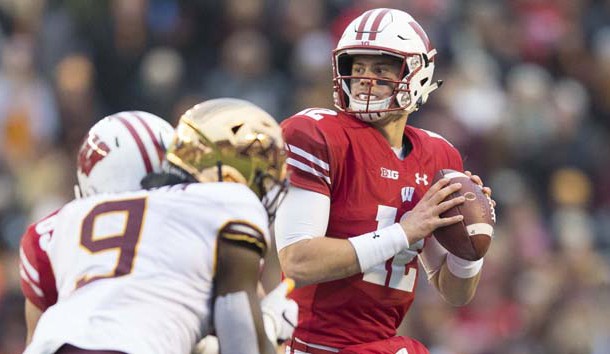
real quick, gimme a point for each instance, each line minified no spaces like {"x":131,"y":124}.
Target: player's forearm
{"x":318,"y":260}
{"x":455,"y":290}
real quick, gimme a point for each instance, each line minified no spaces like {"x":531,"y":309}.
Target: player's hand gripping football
{"x":425,"y":217}
{"x":476,"y":179}
{"x":280,"y":314}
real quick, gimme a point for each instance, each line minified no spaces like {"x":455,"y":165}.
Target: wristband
{"x":463,"y":268}
{"x":376,"y":247}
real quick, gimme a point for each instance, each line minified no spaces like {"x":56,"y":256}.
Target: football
{"x":470,"y":238}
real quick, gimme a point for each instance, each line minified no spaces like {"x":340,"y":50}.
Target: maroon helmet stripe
{"x":363,"y":24}
{"x":376,"y":23}
{"x":422,"y":34}
{"x":154,"y":139}
{"x":139,"y":142}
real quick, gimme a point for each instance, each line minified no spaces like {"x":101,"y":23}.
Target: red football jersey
{"x":369,"y":187}
{"x":37,"y":279}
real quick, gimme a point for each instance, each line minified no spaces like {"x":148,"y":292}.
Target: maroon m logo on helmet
{"x":92,"y":151}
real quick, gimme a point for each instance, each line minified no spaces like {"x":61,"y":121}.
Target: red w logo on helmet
{"x":92,"y":151}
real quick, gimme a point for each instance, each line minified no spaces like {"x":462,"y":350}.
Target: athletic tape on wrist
{"x":376,"y":247}
{"x":463,"y":268}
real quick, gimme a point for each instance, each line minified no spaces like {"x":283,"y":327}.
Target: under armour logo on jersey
{"x":407,"y":193}
{"x":91,"y":153}
{"x":421,"y":179}
{"x":387,"y":173}
{"x":375,"y":235}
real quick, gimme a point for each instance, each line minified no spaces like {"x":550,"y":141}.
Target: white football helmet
{"x":119,"y":151}
{"x":385,"y":32}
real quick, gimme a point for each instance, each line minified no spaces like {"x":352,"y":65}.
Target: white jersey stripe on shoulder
{"x":34,"y":287}
{"x":436,"y":135}
{"x":303,"y":167}
{"x":304,"y":154}
{"x":32,"y":272}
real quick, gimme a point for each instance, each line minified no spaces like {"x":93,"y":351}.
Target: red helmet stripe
{"x":139,"y":143}
{"x":376,"y":23}
{"x":422,"y":34}
{"x":362,"y":24}
{"x":155,"y":140}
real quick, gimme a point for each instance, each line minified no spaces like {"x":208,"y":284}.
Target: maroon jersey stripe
{"x":139,"y":142}
{"x":156,"y":143}
{"x":363,"y":24}
{"x":376,"y":23}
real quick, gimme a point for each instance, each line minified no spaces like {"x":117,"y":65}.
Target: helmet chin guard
{"x":370,"y":111}
{"x":367,"y":110}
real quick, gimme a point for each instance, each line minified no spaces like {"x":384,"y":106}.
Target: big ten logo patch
{"x":387,"y":173}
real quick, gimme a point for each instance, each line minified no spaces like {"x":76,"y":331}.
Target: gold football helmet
{"x":232,"y":140}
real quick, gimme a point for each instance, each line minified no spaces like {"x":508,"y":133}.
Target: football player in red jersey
{"x":361,"y":203}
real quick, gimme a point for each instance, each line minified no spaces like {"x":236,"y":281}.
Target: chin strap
{"x":219,"y":166}
{"x":77,"y":192}
{"x":178,"y":172}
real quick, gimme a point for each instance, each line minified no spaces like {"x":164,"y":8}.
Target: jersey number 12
{"x":395,"y":273}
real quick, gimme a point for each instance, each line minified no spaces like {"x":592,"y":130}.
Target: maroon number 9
{"x":125,"y":242}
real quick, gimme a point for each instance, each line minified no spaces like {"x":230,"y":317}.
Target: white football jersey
{"x":134,"y":270}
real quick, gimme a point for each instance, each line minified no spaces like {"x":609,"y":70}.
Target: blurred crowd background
{"x":526,"y":100}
